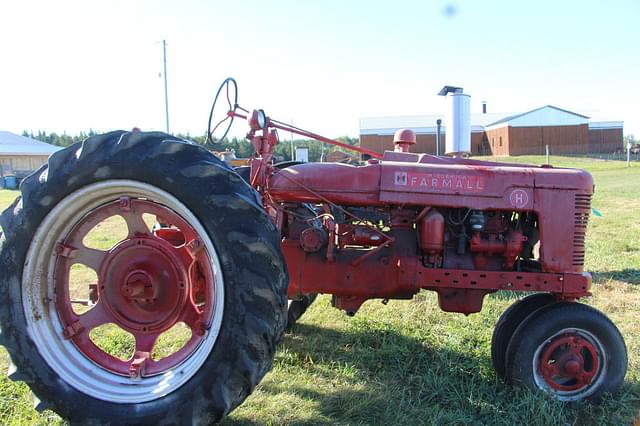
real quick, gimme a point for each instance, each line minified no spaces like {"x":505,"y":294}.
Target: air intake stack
{"x":458,"y":122}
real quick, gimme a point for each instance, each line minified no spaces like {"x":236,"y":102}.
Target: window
{"x":493,"y":142}
{"x":500,"y":140}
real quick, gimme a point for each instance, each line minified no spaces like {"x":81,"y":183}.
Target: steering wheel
{"x":229,"y":90}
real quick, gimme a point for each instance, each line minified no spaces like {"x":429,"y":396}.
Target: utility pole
{"x":438,"y":127}
{"x":292,"y":157}
{"x":166,"y":95}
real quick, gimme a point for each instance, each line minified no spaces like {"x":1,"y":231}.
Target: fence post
{"x":546,"y":148}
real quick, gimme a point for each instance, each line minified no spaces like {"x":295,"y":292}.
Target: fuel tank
{"x":422,"y":179}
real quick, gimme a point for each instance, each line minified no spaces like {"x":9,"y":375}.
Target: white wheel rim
{"x":44,"y":326}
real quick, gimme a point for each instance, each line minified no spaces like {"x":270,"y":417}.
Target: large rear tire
{"x":219,"y":270}
{"x":297,"y":307}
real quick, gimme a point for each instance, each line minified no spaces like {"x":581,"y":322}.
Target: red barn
{"x":565,"y":132}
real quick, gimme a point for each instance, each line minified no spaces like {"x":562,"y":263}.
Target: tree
{"x":241,"y":146}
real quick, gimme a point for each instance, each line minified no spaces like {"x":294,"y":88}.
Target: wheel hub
{"x":144,"y":285}
{"x":569,"y":362}
{"x":572,"y":367}
{"x":138,"y":286}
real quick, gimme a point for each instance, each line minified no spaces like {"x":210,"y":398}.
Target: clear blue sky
{"x":74,"y":65}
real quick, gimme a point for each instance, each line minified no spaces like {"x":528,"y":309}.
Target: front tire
{"x":297,"y":308}
{"x":509,"y":322}
{"x":569,"y":350}
{"x":220,"y":272}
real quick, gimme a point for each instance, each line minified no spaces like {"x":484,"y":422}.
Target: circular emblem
{"x":519,"y":198}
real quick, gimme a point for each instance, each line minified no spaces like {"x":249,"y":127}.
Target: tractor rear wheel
{"x":213,"y":276}
{"x":569,"y":350}
{"x":507,"y":324}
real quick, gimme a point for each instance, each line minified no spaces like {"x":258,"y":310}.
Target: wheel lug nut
{"x":200,"y":328}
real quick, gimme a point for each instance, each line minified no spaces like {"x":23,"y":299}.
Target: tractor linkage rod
{"x":292,"y":129}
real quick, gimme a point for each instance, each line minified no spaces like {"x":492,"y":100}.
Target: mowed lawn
{"x":410,"y":363}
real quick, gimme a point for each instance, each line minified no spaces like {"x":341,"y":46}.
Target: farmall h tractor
{"x":227,"y":248}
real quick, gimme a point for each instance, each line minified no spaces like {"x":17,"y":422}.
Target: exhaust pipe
{"x":458,"y":122}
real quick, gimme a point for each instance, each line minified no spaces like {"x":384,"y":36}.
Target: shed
{"x":20,"y":155}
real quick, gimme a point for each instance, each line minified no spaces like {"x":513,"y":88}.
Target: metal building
{"x":20,"y":155}
{"x":565,"y":132}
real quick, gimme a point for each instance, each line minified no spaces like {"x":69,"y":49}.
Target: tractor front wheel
{"x":569,"y":350}
{"x":297,"y":308}
{"x":507,"y":324}
{"x":202,"y":299}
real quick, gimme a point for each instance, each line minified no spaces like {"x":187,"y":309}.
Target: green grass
{"x":6,"y":197}
{"x":410,"y":363}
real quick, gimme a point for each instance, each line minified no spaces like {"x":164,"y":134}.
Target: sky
{"x":69,"y":66}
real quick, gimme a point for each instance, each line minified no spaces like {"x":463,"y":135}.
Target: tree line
{"x":283,"y":150}
{"x":241,"y":146}
{"x":59,"y":140}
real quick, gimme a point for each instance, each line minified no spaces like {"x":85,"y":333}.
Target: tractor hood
{"x":420,"y":179}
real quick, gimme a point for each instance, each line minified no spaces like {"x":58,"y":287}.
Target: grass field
{"x":409,"y":363}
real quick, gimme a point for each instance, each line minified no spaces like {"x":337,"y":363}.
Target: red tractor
{"x":227,"y":248}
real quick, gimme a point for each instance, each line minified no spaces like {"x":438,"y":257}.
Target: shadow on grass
{"x":628,"y":275}
{"x":367,"y":375}
{"x":375,"y":375}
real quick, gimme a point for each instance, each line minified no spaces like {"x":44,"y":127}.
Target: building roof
{"x":606,"y":124}
{"x":548,"y":109}
{"x":421,"y":123}
{"x":12,"y":144}
{"x":548,"y":115}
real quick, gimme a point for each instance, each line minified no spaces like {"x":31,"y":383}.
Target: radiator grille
{"x":582,"y":210}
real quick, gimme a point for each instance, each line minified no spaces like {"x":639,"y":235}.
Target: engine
{"x":461,"y":227}
{"x":444,"y":238}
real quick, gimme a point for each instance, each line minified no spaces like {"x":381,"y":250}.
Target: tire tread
{"x":197,"y":178}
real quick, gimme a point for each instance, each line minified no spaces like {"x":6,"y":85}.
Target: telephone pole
{"x":292,"y":157}
{"x":166,"y":95}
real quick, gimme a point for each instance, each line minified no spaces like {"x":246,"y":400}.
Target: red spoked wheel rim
{"x":570,"y":364}
{"x":146,"y":285}
{"x":148,"y":282}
